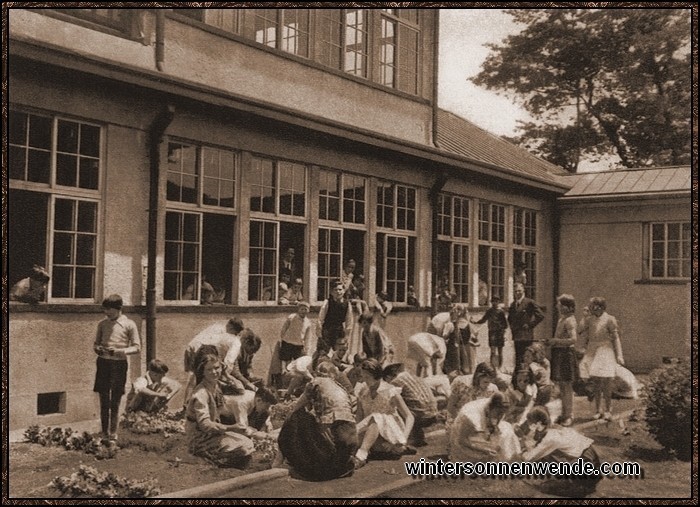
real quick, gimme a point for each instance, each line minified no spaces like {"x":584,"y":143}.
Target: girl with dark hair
{"x":480,"y":433}
{"x":208,"y":437}
{"x":385,"y":422}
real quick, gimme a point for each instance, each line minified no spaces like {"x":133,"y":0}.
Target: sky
{"x":463,"y":33}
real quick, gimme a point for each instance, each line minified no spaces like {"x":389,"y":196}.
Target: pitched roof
{"x":630,"y":181}
{"x":459,"y":136}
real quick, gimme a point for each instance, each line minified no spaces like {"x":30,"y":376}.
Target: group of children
{"x":347,"y":413}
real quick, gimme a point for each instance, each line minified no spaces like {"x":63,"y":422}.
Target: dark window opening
{"x":51,"y":403}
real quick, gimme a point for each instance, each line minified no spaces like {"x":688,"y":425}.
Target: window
{"x":399,"y":44}
{"x":225,"y":19}
{"x":278,"y":198}
{"x":51,"y":403}
{"x":201,"y":189}
{"x":336,"y":38}
{"x":396,"y":206}
{"x":453,"y":244}
{"x":669,"y":250}
{"x":285,"y":29}
{"x":491,"y":262}
{"x":330,"y":249}
{"x":524,"y":252}
{"x":396,"y":212}
{"x":54,"y":166}
{"x":116,"y":19}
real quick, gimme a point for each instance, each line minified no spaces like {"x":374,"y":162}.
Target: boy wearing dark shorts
{"x":117,"y":337}
{"x":497,"y":322}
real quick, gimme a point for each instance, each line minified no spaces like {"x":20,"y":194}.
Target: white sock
{"x":361,"y":454}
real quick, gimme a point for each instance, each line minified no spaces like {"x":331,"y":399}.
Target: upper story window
{"x":669,"y":250}
{"x":399,"y":43}
{"x":116,"y":21}
{"x":383,"y":45}
{"x":453,"y":212}
{"x":54,"y":171}
{"x":396,"y":206}
{"x":351,"y":206}
{"x":524,"y":227}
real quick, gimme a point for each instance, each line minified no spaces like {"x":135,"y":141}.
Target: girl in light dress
{"x":385,"y":422}
{"x":207,"y":436}
{"x":466,"y":388}
{"x":603,"y":354}
{"x":480,"y":433}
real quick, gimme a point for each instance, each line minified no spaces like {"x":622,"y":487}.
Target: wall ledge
{"x":649,"y":281}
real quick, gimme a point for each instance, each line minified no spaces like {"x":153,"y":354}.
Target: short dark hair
{"x":495,"y":299}
{"x":599,"y":302}
{"x":236,"y":324}
{"x":366,"y":317}
{"x":373,"y":367}
{"x":158,"y":366}
{"x":266,"y":395}
{"x":248,"y":337}
{"x":539,"y":415}
{"x":113,"y":301}
{"x":567,"y":301}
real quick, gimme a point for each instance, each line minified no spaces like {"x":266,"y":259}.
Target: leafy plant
{"x":90,"y":482}
{"x":668,"y":408}
{"x":164,"y":422}
{"x":71,"y":441}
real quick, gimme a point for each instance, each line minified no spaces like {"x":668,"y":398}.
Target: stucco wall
{"x":601,"y":255}
{"x":52,"y":352}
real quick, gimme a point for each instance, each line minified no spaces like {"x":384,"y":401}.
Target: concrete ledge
{"x":219,"y":488}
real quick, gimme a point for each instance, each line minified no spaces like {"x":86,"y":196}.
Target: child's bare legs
{"x":566,"y":391}
{"x":603,"y":393}
{"x":368,"y":439}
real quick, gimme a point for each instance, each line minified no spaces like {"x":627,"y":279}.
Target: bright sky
{"x":463,"y":33}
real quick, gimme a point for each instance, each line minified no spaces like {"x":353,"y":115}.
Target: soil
{"x":140,"y":457}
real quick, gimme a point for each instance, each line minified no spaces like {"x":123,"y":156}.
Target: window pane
{"x":674,"y":268}
{"x":356,"y":30}
{"x":657,"y":250}
{"x":87,"y":216}
{"x":657,"y":268}
{"x":90,"y":141}
{"x":265,"y":26}
{"x":39,"y":167}
{"x":674,"y":231}
{"x":64,"y":214}
{"x":657,"y":232}
{"x":17,"y":162}
{"x":63,"y":248}
{"x":40,"y":132}
{"x":17,"y":128}
{"x":61,"y":282}
{"x":67,"y":136}
{"x":295,"y":31}
{"x":84,"y":282}
{"x":329,"y":30}
{"x":89,"y":173}
{"x":67,"y":170}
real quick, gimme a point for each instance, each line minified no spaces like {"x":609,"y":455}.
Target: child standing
{"x":117,"y":337}
{"x":296,"y":335}
{"x":382,"y":308}
{"x":497,"y":323}
{"x":564,"y":363}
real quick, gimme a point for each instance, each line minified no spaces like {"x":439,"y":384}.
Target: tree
{"x":599,"y":83}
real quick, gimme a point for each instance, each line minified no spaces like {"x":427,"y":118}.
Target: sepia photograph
{"x":357,"y":251}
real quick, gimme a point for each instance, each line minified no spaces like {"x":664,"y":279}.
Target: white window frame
{"x":446,"y":213}
{"x":684,"y":263}
{"x":52,"y":190}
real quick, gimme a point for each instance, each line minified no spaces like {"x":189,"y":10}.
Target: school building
{"x":153,"y":149}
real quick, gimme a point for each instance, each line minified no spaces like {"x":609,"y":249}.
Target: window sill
{"x":661,"y":281}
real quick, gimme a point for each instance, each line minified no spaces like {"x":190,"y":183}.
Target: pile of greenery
{"x":89,"y":482}
{"x":165,"y":422}
{"x":668,"y":408}
{"x":100,"y":447}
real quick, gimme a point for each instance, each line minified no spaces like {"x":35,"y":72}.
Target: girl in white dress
{"x":385,"y":421}
{"x":603,"y":354}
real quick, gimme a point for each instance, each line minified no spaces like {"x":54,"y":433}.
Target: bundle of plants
{"x":165,"y":422}
{"x":100,"y":447}
{"x":90,"y":482}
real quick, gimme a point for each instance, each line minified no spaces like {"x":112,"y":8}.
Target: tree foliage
{"x":599,"y":82}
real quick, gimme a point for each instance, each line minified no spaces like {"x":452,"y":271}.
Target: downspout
{"x":556,"y":243}
{"x":441,"y":178}
{"x":160,"y":39}
{"x":155,"y":137}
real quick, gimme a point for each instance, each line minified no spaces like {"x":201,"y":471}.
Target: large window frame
{"x":211,"y":198}
{"x":397,"y":209}
{"x":399,"y":49}
{"x":525,"y":229}
{"x":57,"y":160}
{"x":453,"y":230}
